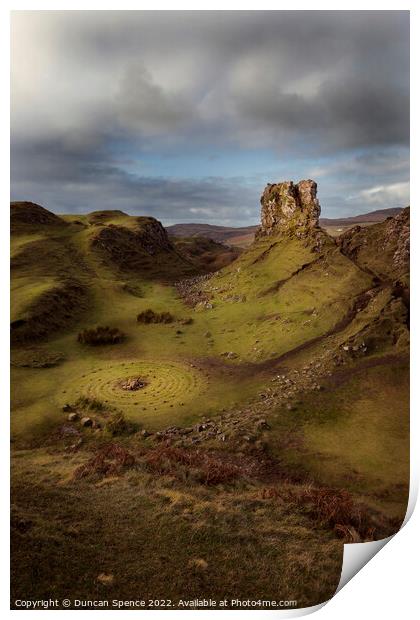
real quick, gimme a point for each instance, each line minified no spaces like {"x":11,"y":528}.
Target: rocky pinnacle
{"x":289,"y":208}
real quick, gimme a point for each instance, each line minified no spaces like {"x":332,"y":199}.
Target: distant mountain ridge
{"x":373,"y":216}
{"x":211,"y":231}
{"x":243,"y":236}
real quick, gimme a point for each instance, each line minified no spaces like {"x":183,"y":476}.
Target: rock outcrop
{"x":127,"y":247}
{"x":290,"y":208}
{"x":382,"y":248}
{"x":397,"y":232}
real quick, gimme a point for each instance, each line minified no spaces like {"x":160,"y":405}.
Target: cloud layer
{"x":186,"y":115}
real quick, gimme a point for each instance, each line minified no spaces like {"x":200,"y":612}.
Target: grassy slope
{"x":353,"y":435}
{"x":176,"y":541}
{"x":305,"y":306}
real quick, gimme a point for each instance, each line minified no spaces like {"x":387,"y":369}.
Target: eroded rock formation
{"x":290,"y":208}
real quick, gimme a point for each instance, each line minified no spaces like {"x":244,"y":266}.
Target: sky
{"x":186,"y":116}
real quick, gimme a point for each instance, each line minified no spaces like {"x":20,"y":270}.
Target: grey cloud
{"x":90,"y":87}
{"x":361,"y":58}
{"x":145,"y":106}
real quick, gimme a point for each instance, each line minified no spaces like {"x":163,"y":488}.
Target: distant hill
{"x":29,"y":215}
{"x":244,"y":236}
{"x":372,"y":217}
{"x":222,"y":234}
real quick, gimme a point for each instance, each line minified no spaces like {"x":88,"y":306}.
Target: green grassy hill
{"x":255,"y":420}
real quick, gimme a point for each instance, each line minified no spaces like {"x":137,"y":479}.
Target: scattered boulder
{"x":190,"y":291}
{"x":86,"y":422}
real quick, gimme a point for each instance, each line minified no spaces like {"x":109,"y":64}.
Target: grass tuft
{"x":118,"y":425}
{"x":91,"y":404}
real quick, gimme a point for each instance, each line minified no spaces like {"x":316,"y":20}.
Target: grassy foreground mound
{"x":228,"y":453}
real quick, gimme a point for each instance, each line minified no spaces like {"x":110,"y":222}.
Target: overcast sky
{"x":187,"y":115}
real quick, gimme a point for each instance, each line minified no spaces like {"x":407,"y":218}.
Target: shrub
{"x":203,"y":467}
{"x":111,"y":460}
{"x":150,"y":316}
{"x":330,"y":506}
{"x":336,"y":509}
{"x":101,"y":335}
